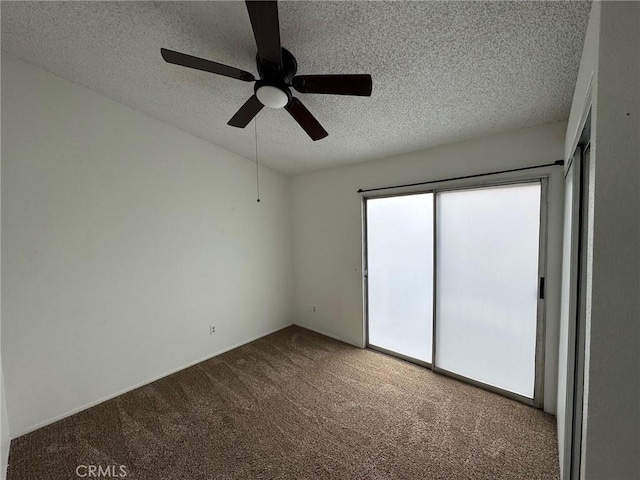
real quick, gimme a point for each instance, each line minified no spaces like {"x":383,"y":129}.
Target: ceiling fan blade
{"x":307,"y":121}
{"x":334,"y":84}
{"x":266,"y":30}
{"x":185,"y":60}
{"x":246,"y":113}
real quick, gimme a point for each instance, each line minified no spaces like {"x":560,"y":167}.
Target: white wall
{"x":611,"y":417}
{"x":327,"y":227}
{"x":124,"y":240}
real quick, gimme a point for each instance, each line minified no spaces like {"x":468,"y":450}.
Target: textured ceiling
{"x":442,"y":71}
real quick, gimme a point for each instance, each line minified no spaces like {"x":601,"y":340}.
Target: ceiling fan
{"x":277,"y":69}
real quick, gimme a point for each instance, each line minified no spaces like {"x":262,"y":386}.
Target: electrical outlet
{"x":313,"y":309}
{"x":212,"y":330}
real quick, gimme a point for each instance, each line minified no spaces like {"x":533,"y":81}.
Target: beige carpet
{"x":297,"y":405}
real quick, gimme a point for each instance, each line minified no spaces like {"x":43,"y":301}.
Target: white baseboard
{"x":330,"y":335}
{"x":146,"y":382}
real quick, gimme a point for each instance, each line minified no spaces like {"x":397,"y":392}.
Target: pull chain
{"x":255,"y":125}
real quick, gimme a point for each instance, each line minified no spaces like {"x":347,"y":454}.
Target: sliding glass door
{"x":484,"y":288}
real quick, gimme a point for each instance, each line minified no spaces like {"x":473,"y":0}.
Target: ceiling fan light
{"x":272,"y":97}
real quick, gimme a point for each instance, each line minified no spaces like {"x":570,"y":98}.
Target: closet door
{"x":487,"y":243}
{"x":400,"y":275}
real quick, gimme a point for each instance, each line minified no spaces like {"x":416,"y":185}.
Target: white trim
{"x":364,"y":271}
{"x":5,"y":456}
{"x":330,"y":335}
{"x":146,"y":382}
{"x":575,"y":138}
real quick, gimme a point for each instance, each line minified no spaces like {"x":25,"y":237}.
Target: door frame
{"x":571,"y":463}
{"x":466,"y":184}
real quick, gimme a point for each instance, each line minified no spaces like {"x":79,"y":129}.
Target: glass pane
{"x":488,"y":284}
{"x":400,"y":262}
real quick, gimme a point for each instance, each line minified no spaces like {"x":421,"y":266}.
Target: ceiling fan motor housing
{"x":272,"y":76}
{"x":268,"y":71}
